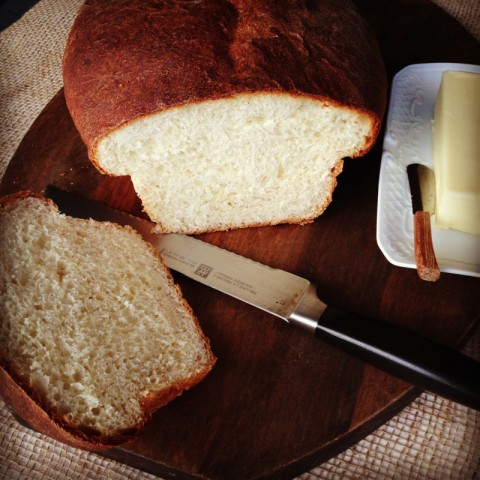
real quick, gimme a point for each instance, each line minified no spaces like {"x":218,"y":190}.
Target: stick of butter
{"x":456,"y":152}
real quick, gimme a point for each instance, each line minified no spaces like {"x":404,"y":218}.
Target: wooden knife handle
{"x":427,"y":266}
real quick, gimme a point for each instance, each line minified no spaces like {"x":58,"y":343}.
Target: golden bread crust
{"x":133,"y":58}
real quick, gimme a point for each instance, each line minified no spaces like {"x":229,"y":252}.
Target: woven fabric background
{"x":432,"y":438}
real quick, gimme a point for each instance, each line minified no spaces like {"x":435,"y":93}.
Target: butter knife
{"x":401,"y":352}
{"x":422,"y":188}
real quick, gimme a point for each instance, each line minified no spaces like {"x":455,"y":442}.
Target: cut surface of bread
{"x":250,"y":160}
{"x":225,"y":114}
{"x":92,"y":327}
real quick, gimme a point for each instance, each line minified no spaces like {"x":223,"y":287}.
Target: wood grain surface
{"x":279,"y":401}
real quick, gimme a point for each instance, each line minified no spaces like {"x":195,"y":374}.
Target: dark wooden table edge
{"x":287,"y":472}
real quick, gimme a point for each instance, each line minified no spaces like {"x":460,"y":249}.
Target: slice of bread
{"x":225,"y":114}
{"x":94,"y":334}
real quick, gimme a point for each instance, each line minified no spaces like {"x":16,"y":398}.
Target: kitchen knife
{"x":414,"y":358}
{"x":422,"y":188}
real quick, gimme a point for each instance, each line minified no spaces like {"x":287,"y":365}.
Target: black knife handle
{"x":405,"y":354}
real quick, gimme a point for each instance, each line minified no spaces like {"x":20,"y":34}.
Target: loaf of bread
{"x":94,"y":334}
{"x":225,"y":114}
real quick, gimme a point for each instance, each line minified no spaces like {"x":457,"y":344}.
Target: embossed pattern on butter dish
{"x":408,"y":139}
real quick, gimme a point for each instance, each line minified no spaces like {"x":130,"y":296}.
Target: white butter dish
{"x":408,"y":139}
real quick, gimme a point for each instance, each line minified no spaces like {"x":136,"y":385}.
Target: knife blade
{"x":401,"y":352}
{"x":422,"y":188}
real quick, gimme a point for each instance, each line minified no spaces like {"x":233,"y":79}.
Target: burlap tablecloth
{"x":431,"y":439}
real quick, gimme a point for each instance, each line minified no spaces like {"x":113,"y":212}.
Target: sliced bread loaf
{"x":225,"y":114}
{"x":94,"y":334}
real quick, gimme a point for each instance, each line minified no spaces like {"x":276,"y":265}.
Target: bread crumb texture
{"x":90,"y":320}
{"x":249,"y":160}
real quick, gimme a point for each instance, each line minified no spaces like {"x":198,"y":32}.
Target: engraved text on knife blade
{"x":275,"y":291}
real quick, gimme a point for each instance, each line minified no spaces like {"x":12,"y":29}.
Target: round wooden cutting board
{"x":280,"y":401}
